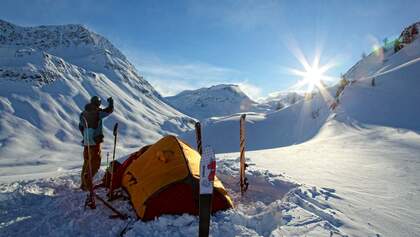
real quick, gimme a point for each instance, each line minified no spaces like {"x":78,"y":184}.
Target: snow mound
{"x":393,"y":101}
{"x":294,"y":124}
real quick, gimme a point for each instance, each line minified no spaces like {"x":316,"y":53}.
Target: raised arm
{"x":108,"y":110}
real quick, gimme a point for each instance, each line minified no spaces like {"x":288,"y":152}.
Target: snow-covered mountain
{"x":279,"y":100}
{"x":48,"y":74}
{"x":219,"y":100}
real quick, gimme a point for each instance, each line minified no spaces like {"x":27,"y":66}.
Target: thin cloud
{"x":253,"y":91}
{"x":170,"y":78}
{"x":245,"y":14}
{"x":188,"y":71}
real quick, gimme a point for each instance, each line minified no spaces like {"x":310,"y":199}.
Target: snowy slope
{"x":372,"y":171}
{"x":47,"y":75}
{"x":293,"y":124}
{"x":219,"y":100}
{"x":366,"y":149}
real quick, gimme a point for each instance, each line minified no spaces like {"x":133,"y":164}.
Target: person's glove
{"x":110,"y":101}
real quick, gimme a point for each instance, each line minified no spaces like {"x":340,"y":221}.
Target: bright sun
{"x":312,"y":75}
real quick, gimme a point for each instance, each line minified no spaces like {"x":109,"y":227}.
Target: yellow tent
{"x":165,"y":180}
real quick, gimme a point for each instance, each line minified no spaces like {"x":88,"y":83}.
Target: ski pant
{"x":95,"y":156}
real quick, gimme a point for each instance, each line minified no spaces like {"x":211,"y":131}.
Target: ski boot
{"x":90,"y":202}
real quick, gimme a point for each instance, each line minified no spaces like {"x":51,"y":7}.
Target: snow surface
{"x":274,"y":207}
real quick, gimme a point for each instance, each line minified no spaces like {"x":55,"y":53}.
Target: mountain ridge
{"x":227,"y":99}
{"x":217,"y":100}
{"x":44,"y":87}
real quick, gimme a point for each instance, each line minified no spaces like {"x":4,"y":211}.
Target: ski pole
{"x":118,"y":214}
{"x":107,"y":169}
{"x":243,"y":165}
{"x":111,"y":189}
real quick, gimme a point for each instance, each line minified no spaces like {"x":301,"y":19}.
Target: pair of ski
{"x":92,"y":197}
{"x":207,"y":174}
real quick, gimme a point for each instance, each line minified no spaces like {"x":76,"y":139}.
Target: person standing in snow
{"x":90,"y":125}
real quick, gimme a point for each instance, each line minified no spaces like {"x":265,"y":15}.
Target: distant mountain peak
{"x":47,"y":37}
{"x":5,"y":25}
{"x":49,"y":73}
{"x":217,"y":100}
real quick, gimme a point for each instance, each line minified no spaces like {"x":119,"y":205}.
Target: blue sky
{"x":181,"y":45}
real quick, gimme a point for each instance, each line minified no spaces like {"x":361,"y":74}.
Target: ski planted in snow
{"x":243,"y":180}
{"x":111,"y":188}
{"x":207,"y":173}
{"x":198,"y":137}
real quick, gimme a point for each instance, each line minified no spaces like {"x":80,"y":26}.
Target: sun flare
{"x":312,"y":75}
